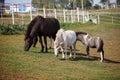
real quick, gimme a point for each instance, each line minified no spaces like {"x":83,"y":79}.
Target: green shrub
{"x":10,"y":29}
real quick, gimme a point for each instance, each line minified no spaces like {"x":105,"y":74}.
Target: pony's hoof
{"x":34,"y":45}
{"x":50,"y":47}
{"x":62,"y":59}
{"x":101,"y":61}
{"x":70,"y":56}
{"x":41,"y":51}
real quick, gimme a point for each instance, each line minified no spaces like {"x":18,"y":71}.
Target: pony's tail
{"x":100,"y":47}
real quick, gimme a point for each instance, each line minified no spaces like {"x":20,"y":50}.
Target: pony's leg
{"x":70,"y":51}
{"x":35,"y":41}
{"x":87,"y":50}
{"x":74,"y":45}
{"x":50,"y":42}
{"x":63,"y":55}
{"x":102,"y":55}
{"x":42,"y":47}
{"x":45,"y":41}
{"x":53,"y":36}
{"x":66,"y":52}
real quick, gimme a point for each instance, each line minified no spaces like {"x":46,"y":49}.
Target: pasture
{"x":16,"y":64}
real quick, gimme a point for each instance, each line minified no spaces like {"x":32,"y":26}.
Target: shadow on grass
{"x":82,"y":56}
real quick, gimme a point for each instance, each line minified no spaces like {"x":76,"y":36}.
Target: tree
{"x":61,"y":3}
{"x":96,"y":6}
{"x":118,"y":2}
{"x":86,"y":3}
{"x":105,"y":3}
{"x":43,"y":3}
{"x":89,"y":4}
{"x":36,"y":3}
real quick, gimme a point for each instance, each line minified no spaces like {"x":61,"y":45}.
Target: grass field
{"x":16,"y":64}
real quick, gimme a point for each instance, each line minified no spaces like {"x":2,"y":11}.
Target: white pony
{"x":63,"y":40}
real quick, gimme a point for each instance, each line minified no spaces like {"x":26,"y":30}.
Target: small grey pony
{"x":91,"y":42}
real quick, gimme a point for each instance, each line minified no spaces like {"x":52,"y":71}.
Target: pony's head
{"x":28,"y":43}
{"x":31,"y":31}
{"x":58,"y":41}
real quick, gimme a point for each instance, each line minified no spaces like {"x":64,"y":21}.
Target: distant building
{"x":21,"y":6}
{"x":113,"y":5}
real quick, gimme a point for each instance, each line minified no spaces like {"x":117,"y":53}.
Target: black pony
{"x":46,"y":27}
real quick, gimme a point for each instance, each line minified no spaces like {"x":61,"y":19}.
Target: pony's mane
{"x":83,"y":33}
{"x":59,"y":33}
{"x":61,"y":30}
{"x":30,"y":26}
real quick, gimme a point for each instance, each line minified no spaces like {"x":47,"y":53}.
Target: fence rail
{"x":63,"y":15}
{"x":110,"y":19}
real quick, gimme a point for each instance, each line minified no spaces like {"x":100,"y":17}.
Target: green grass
{"x":16,"y":64}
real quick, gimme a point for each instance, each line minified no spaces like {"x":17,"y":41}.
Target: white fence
{"x":62,"y":15}
{"x":106,"y":17}
{"x":69,"y":16}
{"x":110,"y":19}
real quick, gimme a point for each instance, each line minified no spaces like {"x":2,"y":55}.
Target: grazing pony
{"x":42,"y":27}
{"x":63,"y":40}
{"x":91,"y":42}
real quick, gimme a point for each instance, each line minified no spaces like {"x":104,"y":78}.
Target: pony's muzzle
{"x":25,"y":49}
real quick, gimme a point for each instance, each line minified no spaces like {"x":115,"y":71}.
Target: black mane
{"x":84,"y":33}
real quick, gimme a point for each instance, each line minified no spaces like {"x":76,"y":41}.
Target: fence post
{"x":88,"y":15}
{"x":13,"y":14}
{"x":37,"y":11}
{"x":44,"y":13}
{"x":30,"y":12}
{"x":78,"y":14}
{"x":71,"y":16}
{"x":55,"y":13}
{"x":22,"y":19}
{"x":83,"y":16}
{"x":98,"y":19}
{"x":64,"y":15}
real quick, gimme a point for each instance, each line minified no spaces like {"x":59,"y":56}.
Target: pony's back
{"x":51,"y":25}
{"x":69,"y":37}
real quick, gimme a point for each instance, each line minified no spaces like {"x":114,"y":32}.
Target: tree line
{"x":68,"y":4}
